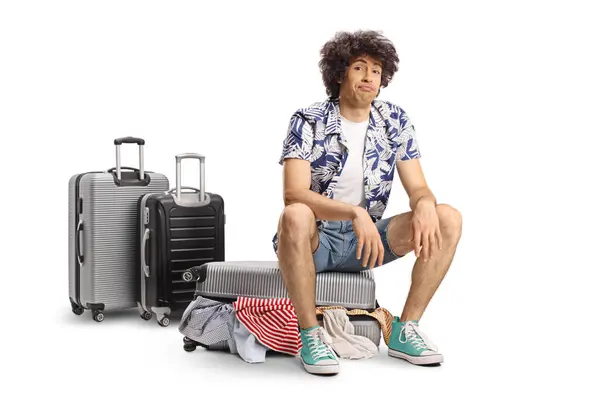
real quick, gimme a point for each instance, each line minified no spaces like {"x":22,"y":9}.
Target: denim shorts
{"x":337,"y":247}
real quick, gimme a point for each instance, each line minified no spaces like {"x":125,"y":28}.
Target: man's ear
{"x":340,"y":79}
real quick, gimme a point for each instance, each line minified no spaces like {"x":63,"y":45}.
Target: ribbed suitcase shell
{"x":262,"y":279}
{"x":108,"y":277}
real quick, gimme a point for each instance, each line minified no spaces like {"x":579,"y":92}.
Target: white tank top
{"x":350,"y":186}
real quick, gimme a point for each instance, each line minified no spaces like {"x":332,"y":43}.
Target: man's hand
{"x":368,"y":238}
{"x":426,"y":229}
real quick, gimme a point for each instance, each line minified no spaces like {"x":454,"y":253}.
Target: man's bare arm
{"x":413,"y":180}
{"x":296,"y":189}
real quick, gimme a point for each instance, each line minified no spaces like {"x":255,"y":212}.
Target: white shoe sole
{"x":417,"y":360}
{"x":321,"y":369}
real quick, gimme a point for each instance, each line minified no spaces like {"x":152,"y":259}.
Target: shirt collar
{"x":377,"y":117}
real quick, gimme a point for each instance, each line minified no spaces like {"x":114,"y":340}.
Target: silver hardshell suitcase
{"x":102,"y":234}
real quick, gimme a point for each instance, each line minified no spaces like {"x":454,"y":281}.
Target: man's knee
{"x":296,"y":220}
{"x":450,"y":221}
{"x":399,"y":234}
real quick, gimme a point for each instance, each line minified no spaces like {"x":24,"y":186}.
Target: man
{"x":339,"y":158}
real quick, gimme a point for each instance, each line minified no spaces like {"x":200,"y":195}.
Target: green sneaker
{"x":317,"y":356}
{"x":409,"y":343}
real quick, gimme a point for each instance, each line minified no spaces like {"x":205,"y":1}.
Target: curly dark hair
{"x":337,"y":53}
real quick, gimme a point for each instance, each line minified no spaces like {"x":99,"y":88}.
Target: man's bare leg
{"x":297,"y":240}
{"x":426,"y":275}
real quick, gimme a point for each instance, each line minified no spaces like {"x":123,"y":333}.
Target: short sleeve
{"x":299,"y":139}
{"x":408,"y":147}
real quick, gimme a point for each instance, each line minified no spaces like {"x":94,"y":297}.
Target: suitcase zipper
{"x":143,"y":225}
{"x":78,"y":212}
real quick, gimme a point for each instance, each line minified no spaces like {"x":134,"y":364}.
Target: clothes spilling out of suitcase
{"x":136,"y":243}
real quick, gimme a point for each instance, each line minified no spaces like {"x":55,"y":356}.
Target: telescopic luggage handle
{"x":130,"y":140}
{"x":178,"y":186}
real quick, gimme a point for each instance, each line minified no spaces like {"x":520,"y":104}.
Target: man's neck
{"x":354,"y":113}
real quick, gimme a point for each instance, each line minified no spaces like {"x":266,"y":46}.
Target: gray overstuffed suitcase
{"x":226,"y":280}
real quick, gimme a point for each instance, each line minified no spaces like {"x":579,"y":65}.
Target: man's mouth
{"x":367,"y":88}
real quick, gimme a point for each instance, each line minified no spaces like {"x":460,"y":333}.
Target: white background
{"x":504,"y":98}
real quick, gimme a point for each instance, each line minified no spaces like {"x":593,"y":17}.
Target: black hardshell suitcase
{"x":176,"y":231}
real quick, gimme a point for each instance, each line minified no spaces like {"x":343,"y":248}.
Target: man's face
{"x":361,"y":81}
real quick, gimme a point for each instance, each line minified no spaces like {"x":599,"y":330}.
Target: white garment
{"x":343,"y":340}
{"x":350,"y":186}
{"x":244,"y":343}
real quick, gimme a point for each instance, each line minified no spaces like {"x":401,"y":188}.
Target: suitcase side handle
{"x":178,"y":159}
{"x":140,"y":142}
{"x":145,"y":266}
{"x":78,"y":235}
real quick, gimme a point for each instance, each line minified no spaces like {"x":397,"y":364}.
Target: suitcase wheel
{"x":77,"y":310}
{"x":98,"y":316}
{"x":188,"y":344}
{"x":146,"y":316}
{"x":164,"y":321}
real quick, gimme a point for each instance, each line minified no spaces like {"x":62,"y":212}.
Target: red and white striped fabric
{"x":272,"y":321}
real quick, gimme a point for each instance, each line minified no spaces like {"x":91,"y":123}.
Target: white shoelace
{"x":318,"y":350}
{"x":417,"y":338}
